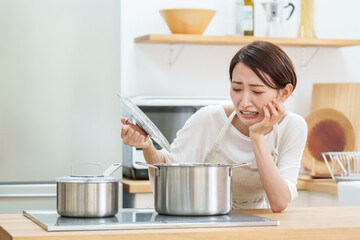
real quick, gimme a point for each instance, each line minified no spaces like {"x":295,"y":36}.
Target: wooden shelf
{"x":236,"y":40}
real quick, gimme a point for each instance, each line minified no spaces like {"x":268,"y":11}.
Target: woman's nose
{"x":245,"y":100}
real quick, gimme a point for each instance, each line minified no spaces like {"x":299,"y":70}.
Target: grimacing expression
{"x":249,"y":94}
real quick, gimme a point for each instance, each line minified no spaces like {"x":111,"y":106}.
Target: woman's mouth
{"x":249,"y":114}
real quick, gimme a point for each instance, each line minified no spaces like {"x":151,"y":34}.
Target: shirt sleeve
{"x":291,"y":148}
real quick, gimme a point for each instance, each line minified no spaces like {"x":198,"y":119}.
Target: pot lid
{"x":87,"y":179}
{"x":101,"y":177}
{"x":144,"y":122}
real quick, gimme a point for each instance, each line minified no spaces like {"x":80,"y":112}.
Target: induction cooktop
{"x":141,"y":218}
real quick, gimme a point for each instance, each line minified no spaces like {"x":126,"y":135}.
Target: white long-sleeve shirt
{"x":198,"y":135}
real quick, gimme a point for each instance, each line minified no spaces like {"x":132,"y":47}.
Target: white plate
{"x":143,"y":121}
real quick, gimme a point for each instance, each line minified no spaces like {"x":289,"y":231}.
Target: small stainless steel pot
{"x":193,"y":188}
{"x":88,"y":196}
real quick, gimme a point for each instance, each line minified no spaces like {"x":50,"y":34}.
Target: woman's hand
{"x":273,"y":113}
{"x":134,"y":136}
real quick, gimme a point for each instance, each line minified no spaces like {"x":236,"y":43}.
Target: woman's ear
{"x":286,"y":92}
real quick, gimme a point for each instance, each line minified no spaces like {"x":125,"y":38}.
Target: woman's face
{"x":249,"y":94}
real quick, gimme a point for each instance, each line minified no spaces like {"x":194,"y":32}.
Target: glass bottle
{"x":248,"y":19}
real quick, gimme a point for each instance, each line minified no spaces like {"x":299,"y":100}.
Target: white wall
{"x":59,"y":80}
{"x":203,"y":70}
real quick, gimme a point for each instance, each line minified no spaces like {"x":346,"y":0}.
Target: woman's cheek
{"x":262,"y":109}
{"x":235,"y":99}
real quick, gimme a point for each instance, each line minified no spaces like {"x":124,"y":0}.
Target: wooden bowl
{"x":187,"y":21}
{"x":329,"y":130}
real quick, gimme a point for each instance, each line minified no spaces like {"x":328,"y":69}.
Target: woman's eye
{"x":236,"y":89}
{"x":258,"y":92}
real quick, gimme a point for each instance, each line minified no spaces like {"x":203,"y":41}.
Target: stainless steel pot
{"x":193,"y":189}
{"x":88,"y":196}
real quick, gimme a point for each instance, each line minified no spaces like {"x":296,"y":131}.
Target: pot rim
{"x":192,"y":165}
{"x":87,"y":179}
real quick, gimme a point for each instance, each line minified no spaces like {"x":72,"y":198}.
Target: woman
{"x":256,"y":129}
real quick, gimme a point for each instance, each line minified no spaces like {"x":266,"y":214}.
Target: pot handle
{"x":147,"y":165}
{"x":110,"y":170}
{"x":240,"y":164}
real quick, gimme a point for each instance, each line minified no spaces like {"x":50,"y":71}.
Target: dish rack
{"x":343,"y":166}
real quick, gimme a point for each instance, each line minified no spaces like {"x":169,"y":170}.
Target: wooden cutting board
{"x":344,"y":97}
{"x":329,"y":130}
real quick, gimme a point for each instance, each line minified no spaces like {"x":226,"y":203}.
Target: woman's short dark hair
{"x":265,"y":57}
